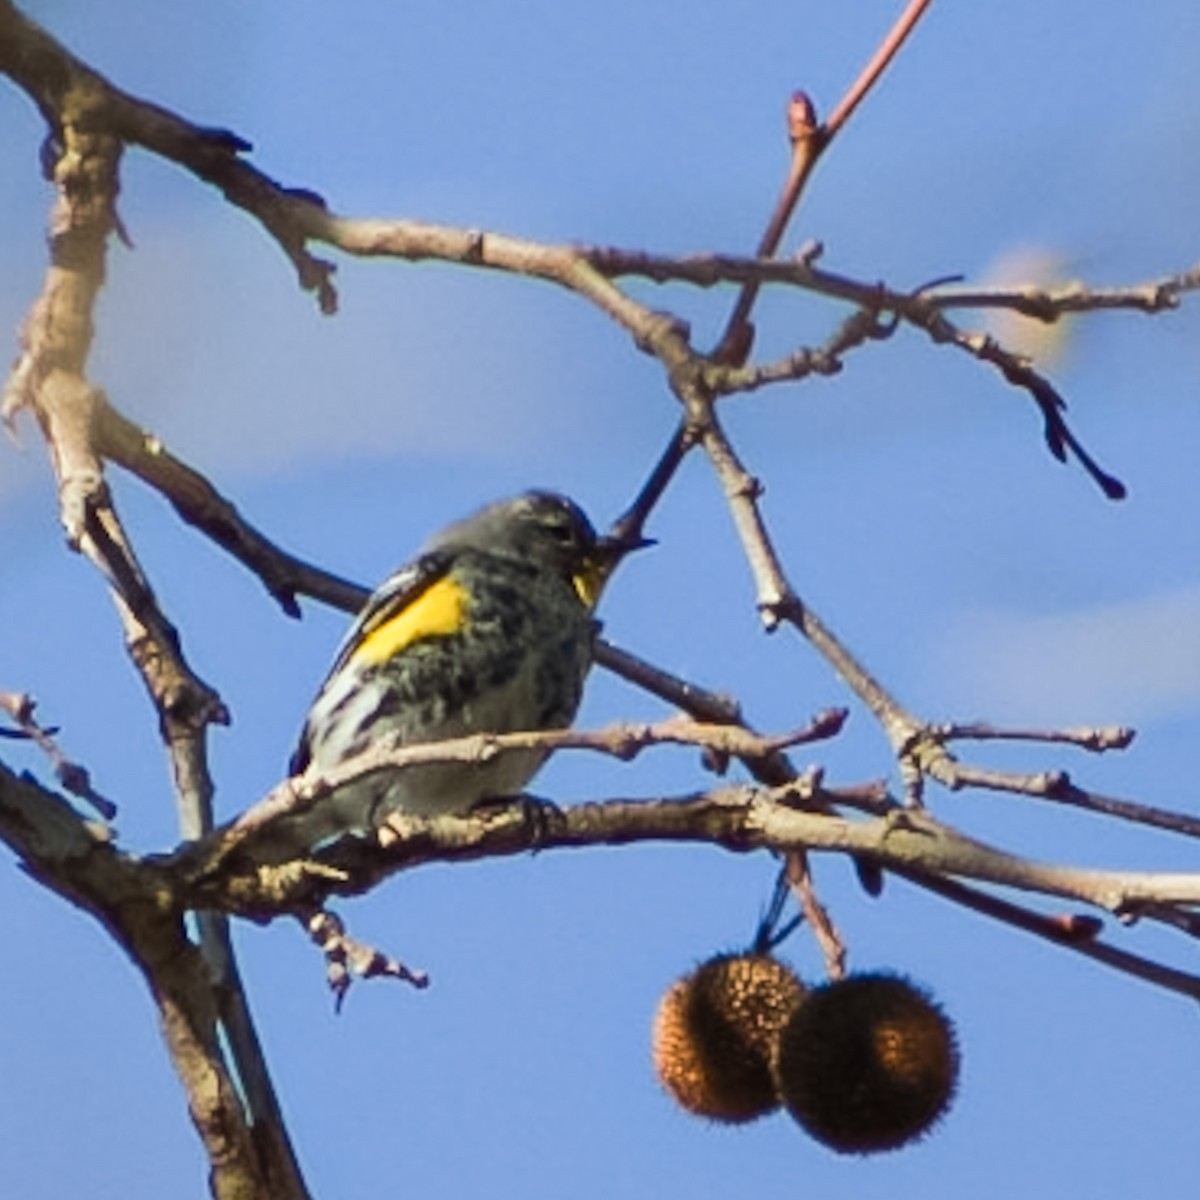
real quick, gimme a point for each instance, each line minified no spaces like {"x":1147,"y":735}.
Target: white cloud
{"x":1119,"y":662}
{"x":207,"y":341}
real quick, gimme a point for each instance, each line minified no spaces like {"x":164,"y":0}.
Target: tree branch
{"x":136,"y":905}
{"x":79,"y":428}
{"x":142,"y":901}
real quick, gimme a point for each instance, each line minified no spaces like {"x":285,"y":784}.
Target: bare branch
{"x":1097,"y":740}
{"x":738,"y":819}
{"x":346,"y":958}
{"x":800,"y":880}
{"x":78,"y":861}
{"x":74,"y":777}
{"x":80,"y":427}
{"x":776,"y":598}
{"x":1073,"y":932}
{"x":629,"y":526}
{"x":1020,"y":372}
{"x":1048,"y":304}
{"x":861,"y":326}
{"x":1056,"y":785}
{"x":200,"y":504}
{"x":809,"y":142}
{"x":625,"y":741}
{"x":870,"y":74}
{"x":713,"y":707}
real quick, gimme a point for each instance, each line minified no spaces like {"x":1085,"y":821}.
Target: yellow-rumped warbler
{"x":489,"y":629}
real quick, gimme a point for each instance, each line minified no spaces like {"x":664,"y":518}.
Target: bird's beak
{"x":609,"y":551}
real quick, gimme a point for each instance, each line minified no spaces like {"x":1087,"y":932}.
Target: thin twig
{"x":1096,"y":739}
{"x":1075,"y":933}
{"x":777,"y":599}
{"x":346,"y":958}
{"x":830,"y":941}
{"x":625,"y":741}
{"x":135,"y":905}
{"x":870,"y":74}
{"x":199,"y":504}
{"x":739,"y":819}
{"x":807,"y":144}
{"x":1048,"y":304}
{"x":50,"y":380}
{"x":1057,"y":786}
{"x":809,"y":141}
{"x":861,"y":326}
{"x":628,"y":527}
{"x":700,"y":703}
{"x":72,"y":775}
{"x":1020,"y":372}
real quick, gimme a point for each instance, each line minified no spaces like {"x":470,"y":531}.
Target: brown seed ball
{"x":867,"y":1063}
{"x":715,"y":1034}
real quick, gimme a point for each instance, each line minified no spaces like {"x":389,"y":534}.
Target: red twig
{"x":878,"y":64}
{"x":810,"y":140}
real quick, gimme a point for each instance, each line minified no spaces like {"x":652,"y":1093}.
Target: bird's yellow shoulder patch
{"x":439,"y":610}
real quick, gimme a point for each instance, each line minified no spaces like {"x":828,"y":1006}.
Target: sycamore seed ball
{"x":716,"y":1031}
{"x":867,"y":1063}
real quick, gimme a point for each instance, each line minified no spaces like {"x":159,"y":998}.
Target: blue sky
{"x":912,"y":499}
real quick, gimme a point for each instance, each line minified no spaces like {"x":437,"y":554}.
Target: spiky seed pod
{"x":867,"y":1063}
{"x":715,"y":1034}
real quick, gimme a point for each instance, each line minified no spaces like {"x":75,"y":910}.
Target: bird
{"x":489,"y":629}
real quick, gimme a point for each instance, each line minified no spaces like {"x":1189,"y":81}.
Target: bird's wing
{"x":391,"y":619}
{"x":392,"y":600}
